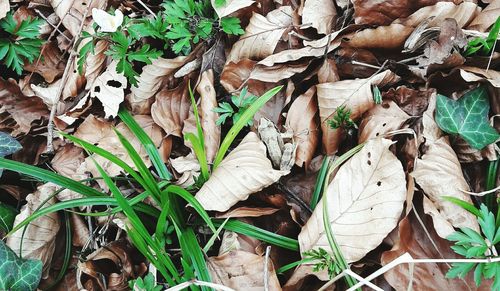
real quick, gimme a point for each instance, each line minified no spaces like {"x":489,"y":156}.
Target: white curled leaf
{"x":106,"y":21}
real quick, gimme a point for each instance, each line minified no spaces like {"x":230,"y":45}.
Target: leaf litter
{"x":272,"y":145}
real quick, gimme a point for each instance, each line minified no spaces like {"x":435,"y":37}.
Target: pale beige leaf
{"x":109,"y":89}
{"x":261,"y":35}
{"x":386,"y":37}
{"x":72,"y":12}
{"x":486,"y":18}
{"x":74,"y":82}
{"x":242,"y":270}
{"x":463,"y":13}
{"x":356,"y":95}
{"x":67,"y":160}
{"x":152,"y":77}
{"x":48,"y":93}
{"x":171,"y":109}
{"x":303,"y":121}
{"x":230,"y":6}
{"x":188,"y":167}
{"x":474,"y":74}
{"x":365,"y":201}
{"x":244,"y":171}
{"x":381,"y":119}
{"x":39,"y":237}
{"x":93,"y":129}
{"x":320,"y":14}
{"x":439,"y":174}
{"x":431,"y":131}
{"x":51,"y":65}
{"x":208,"y":118}
{"x":4,"y":8}
{"x":328,"y":72}
{"x":95,"y":62}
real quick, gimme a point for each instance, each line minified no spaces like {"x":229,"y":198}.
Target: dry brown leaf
{"x":67,"y":160}
{"x":387,"y":37}
{"x":242,"y":270}
{"x":151,"y":79}
{"x":93,"y":129}
{"x":74,"y":82}
{"x":230,"y":6}
{"x":189,"y":168}
{"x":22,"y":109}
{"x":208,"y":118}
{"x":72,"y":12}
{"x":95,"y":62}
{"x":321,"y":14}
{"x":381,"y":119}
{"x":413,"y":102}
{"x":51,"y":65}
{"x":277,"y":72}
{"x":473,"y":74}
{"x":467,"y":154}
{"x":463,"y":13}
{"x":48,"y":93}
{"x":109,"y":89}
{"x":303,"y":121}
{"x":328,"y":72}
{"x":243,"y":171}
{"x":356,"y":95}
{"x":4,"y":8}
{"x":171,"y":109}
{"x":413,"y":239}
{"x":439,"y":174}
{"x":486,"y":18}
{"x":38,"y":240}
{"x":248,"y":212}
{"x":261,"y":35}
{"x":365,"y":200}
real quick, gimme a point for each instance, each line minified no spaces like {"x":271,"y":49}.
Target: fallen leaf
{"x":48,"y":93}
{"x":189,"y":168}
{"x":241,"y":270}
{"x":485,"y":18}
{"x":261,"y":35}
{"x":321,"y":14}
{"x":4,"y":8}
{"x":383,"y":37}
{"x":72,"y":12}
{"x":214,"y":58}
{"x":328,"y":72}
{"x":243,"y":171}
{"x":277,"y":72}
{"x":67,"y":160}
{"x":463,"y":13}
{"x":473,"y":74}
{"x":39,"y":238}
{"x":171,"y":109}
{"x":248,"y":212}
{"x":413,"y":102}
{"x":50,"y":65}
{"x":365,"y":199}
{"x":381,"y":119}
{"x":439,"y":174}
{"x":95,"y":62}
{"x":356,"y":95}
{"x":421,"y":244}
{"x":93,"y":129}
{"x":467,"y":154}
{"x":303,"y":121}
{"x":109,"y":89}
{"x":208,"y":118}
{"x":230,"y":6}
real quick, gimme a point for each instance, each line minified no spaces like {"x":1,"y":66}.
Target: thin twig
{"x":56,"y":27}
{"x":266,"y":268}
{"x":147,"y":8}
{"x":184,"y":285}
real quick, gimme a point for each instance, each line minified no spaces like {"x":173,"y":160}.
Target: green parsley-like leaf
{"x":17,"y":274}
{"x":467,"y":117}
{"x":82,"y":56}
{"x":145,"y":54}
{"x":231,"y":25}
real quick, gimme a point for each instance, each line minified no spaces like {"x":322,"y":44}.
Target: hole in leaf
{"x":114,"y":83}
{"x":369,"y":154}
{"x":384,"y":124}
{"x":97,"y":89}
{"x":377,"y":134}
{"x":379,"y":183}
{"x":369,"y":163}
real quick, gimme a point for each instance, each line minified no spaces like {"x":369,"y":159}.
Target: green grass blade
{"x":259,"y":233}
{"x":49,"y":176}
{"x":197,"y":119}
{"x":465,"y":205}
{"x":105,"y":154}
{"x":190,"y":248}
{"x":199,"y":151}
{"x":320,"y":180}
{"x":216,"y":234}
{"x":293,"y":265}
{"x":242,"y":121}
{"x":146,"y":141}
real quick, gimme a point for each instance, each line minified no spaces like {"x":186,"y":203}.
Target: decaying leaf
{"x":365,"y":199}
{"x":109,"y":89}
{"x":244,"y":171}
{"x":439,"y":174}
{"x":381,"y":119}
{"x":93,"y":129}
{"x":171,"y":109}
{"x":189,"y":168}
{"x":320,"y":14}
{"x":473,"y":74}
{"x":38,"y":241}
{"x":50,"y":65}
{"x":302,"y":120}
{"x":230,"y":6}
{"x":95,"y":62}
{"x":486,"y":18}
{"x":356,"y":95}
{"x":261,"y":35}
{"x":242,"y":270}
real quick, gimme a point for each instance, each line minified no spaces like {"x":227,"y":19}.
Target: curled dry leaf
{"x":93,"y":129}
{"x":242,"y":270}
{"x":439,"y":174}
{"x":72,"y":12}
{"x":151,"y":79}
{"x":95,"y":62}
{"x":244,"y":171}
{"x":188,"y":167}
{"x":467,"y":154}
{"x":328,"y":72}
{"x":486,"y":18}
{"x":321,"y":14}
{"x":74,"y":82}
{"x":277,"y":72}
{"x":261,"y":35}
{"x":302,"y":120}
{"x":38,"y":240}
{"x":381,"y":119}
{"x":171,"y":109}
{"x":22,"y":109}
{"x":356,"y":95}
{"x":50,"y":65}
{"x":67,"y":160}
{"x":416,"y":241}
{"x":47,"y":93}
{"x":4,"y":8}
{"x":387,"y":37}
{"x":365,"y":199}
{"x":109,"y":89}
{"x":474,"y":74}
{"x":230,"y":6}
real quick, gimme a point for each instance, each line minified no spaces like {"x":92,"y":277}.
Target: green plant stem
{"x":491,"y":177}
{"x":318,"y":187}
{"x":292,"y":265}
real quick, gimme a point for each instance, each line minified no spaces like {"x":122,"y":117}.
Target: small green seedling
{"x":342,"y":119}
{"x":323,"y":260}
{"x":241,"y":101}
{"x":146,"y":284}
{"x":484,"y":45}
{"x":22,"y":43}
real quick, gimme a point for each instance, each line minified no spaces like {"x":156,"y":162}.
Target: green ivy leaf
{"x":7,"y":216}
{"x":17,"y":274}
{"x":467,"y":117}
{"x":8,"y":144}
